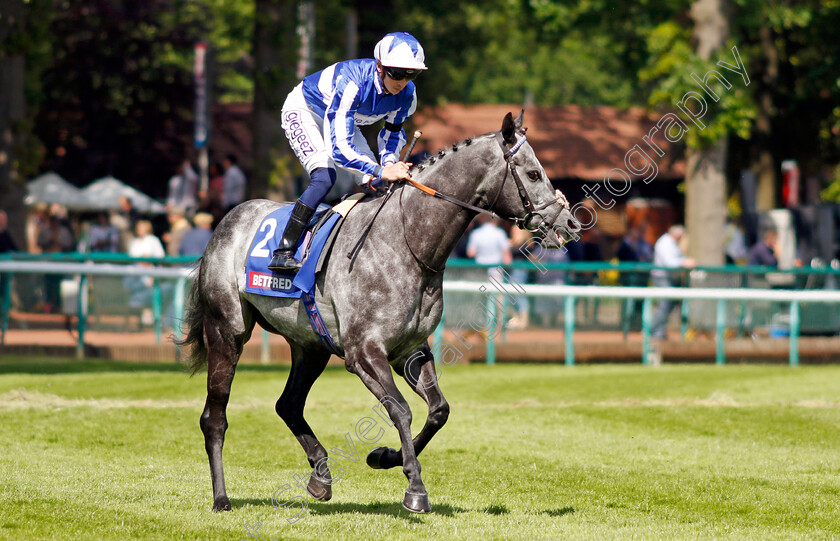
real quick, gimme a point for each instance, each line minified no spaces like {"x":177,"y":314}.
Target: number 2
{"x":260,"y":250}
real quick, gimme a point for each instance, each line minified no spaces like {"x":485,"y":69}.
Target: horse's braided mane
{"x":442,"y":153}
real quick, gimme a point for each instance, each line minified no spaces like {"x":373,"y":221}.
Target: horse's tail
{"x":194,"y":321}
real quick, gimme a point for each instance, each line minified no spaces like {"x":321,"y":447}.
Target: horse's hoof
{"x":374,"y":458}
{"x":417,"y":503}
{"x":221,"y":504}
{"x":383,"y":458}
{"x":318,"y":489}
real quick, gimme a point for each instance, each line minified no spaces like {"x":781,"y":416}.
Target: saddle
{"x":318,"y":237}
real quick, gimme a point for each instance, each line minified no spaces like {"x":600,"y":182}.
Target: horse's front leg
{"x":418,"y":370}
{"x":370,"y":363}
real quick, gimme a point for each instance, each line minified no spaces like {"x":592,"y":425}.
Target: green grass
{"x":101,"y":450}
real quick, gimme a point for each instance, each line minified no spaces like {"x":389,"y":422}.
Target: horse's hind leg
{"x":418,"y":369}
{"x":370,"y":363}
{"x":224,"y":349}
{"x":307,"y":365}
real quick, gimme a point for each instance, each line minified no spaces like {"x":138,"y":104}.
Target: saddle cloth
{"x":262,"y":281}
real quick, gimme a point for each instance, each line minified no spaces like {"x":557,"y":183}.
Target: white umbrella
{"x":50,"y":188}
{"x":105,"y":194}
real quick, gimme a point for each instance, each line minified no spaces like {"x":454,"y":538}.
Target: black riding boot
{"x":284,"y":255}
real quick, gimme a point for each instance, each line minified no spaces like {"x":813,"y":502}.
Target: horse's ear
{"x":509,"y":129}
{"x":518,"y":121}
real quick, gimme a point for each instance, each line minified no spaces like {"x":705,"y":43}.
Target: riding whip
{"x":351,"y":255}
{"x":407,"y":153}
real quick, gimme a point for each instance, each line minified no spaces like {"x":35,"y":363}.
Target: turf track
{"x":99,"y":450}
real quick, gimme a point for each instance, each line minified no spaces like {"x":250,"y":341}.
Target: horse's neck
{"x":433,"y":226}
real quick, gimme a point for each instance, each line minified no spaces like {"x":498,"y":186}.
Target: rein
{"x":523,"y":194}
{"x":522,"y":223}
{"x":520,"y":187}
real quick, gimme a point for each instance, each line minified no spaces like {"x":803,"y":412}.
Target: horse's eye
{"x":534,"y":175}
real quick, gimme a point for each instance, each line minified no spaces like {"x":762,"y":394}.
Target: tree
{"x":23,"y":30}
{"x":705,"y":177}
{"x":275,"y":58}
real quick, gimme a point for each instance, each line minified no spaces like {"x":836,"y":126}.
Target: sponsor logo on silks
{"x":269,"y":281}
{"x":295,"y":134}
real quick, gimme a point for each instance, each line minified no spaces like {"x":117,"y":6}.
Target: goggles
{"x":398,"y":74}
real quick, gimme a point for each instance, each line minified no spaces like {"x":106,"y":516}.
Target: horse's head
{"x":527,"y":196}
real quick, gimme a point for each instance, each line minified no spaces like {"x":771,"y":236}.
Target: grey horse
{"x":379,"y":309}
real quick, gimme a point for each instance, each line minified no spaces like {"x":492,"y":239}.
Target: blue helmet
{"x":400,"y":50}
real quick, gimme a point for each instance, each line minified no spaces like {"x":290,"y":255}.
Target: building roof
{"x":570,"y":141}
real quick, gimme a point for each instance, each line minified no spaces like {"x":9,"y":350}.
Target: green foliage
{"x":831,"y":193}
{"x":503,"y":51}
{"x":669,"y":70}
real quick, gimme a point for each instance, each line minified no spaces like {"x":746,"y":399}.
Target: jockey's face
{"x":393,"y":86}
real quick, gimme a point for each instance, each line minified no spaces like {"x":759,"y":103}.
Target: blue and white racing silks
{"x":350,"y":94}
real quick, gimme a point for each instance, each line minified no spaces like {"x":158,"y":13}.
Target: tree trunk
{"x":705,"y":167}
{"x":764,"y":166}
{"x":275,"y":58}
{"x":12,"y":189}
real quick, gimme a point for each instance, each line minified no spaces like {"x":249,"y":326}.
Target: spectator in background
{"x":764,"y":252}
{"x":634,"y":249}
{"x":36,"y":220}
{"x":735,"y":247}
{"x":178,"y":227}
{"x":233,"y":184}
{"x":489,"y":244}
{"x":195,"y":240}
{"x":549,"y":310}
{"x":183,"y":189}
{"x":668,"y":254}
{"x":146,"y":244}
{"x":128,"y":212}
{"x":55,"y":237}
{"x":103,"y":237}
{"x":520,"y":238}
{"x":211,"y":200}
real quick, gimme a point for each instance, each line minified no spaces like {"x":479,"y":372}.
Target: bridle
{"x":528,"y":222}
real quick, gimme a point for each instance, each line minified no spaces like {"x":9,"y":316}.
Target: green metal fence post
{"x":647,"y":317}
{"x":794,"y":333}
{"x":720,"y":320}
{"x":265,"y":348}
{"x":437,"y":345}
{"x":569,"y":324}
{"x":156,"y":310}
{"x":178,"y":312}
{"x":629,"y":304}
{"x":684,"y":313}
{"x":491,"y":329}
{"x":81,"y":315}
{"x":502,"y":317}
{"x":7,"y":304}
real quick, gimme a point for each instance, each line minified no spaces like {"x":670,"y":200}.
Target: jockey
{"x":320,"y":118}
